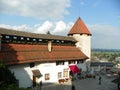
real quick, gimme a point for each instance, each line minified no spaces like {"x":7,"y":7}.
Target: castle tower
{"x":81,"y":34}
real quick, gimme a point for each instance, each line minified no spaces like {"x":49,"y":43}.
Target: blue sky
{"x":102,"y":17}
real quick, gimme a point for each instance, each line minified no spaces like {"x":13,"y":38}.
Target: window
{"x":59,"y":62}
{"x":80,"y":61}
{"x":40,"y":40}
{"x":62,"y":41}
{"x":58,"y":41}
{"x":14,"y":37}
{"x":65,"y":73}
{"x":34,"y":39}
{"x":32,"y":64}
{"x":22,"y":38}
{"x":47,"y":76}
{"x":59,"y":75}
{"x":28,"y":39}
{"x":7,"y":37}
{"x":72,"y":62}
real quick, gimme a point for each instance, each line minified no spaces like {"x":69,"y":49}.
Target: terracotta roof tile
{"x":24,"y":53}
{"x":79,"y":28}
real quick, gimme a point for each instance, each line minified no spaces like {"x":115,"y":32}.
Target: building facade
{"x":46,"y":58}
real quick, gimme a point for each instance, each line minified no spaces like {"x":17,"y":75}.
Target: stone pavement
{"x":93,"y":84}
{"x":84,"y":84}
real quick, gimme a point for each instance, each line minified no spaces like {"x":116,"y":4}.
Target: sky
{"x":102,"y":18}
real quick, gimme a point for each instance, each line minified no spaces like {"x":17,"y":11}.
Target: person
{"x":40,"y":83}
{"x":100,"y":80}
{"x":73,"y":87}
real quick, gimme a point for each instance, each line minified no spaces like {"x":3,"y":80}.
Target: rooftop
{"x":25,"y":53}
{"x":79,"y":28}
{"x":4,"y":31}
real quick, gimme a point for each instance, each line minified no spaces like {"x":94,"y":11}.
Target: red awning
{"x":74,"y":69}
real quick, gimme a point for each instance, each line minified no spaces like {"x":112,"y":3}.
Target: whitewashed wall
{"x":52,"y":69}
{"x":23,"y":73}
{"x":84,"y":44}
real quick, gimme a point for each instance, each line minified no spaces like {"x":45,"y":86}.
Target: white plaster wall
{"x":52,"y":69}
{"x":84,"y":44}
{"x":23,"y":73}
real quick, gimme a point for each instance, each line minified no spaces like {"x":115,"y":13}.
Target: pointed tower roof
{"x":79,"y":28}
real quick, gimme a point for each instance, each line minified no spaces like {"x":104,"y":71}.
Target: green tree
{"x":6,"y":77}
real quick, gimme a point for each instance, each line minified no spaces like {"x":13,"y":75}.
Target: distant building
{"x":45,"y":58}
{"x":101,"y":66}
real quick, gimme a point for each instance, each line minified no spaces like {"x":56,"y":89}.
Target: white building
{"x":45,"y":58}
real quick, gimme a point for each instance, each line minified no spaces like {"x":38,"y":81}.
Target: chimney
{"x":49,"y":46}
{"x":0,"y":41}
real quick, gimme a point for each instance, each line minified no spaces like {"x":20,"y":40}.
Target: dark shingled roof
{"x":34,"y":35}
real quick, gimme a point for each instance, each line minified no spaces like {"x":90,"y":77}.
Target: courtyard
{"x":84,"y":84}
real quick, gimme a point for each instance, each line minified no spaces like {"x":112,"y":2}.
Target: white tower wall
{"x":84,"y":44}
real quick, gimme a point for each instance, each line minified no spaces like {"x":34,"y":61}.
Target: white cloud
{"x":106,"y":30}
{"x":62,"y":27}
{"x":105,"y":36}
{"x":46,"y":26}
{"x":37,"y":8}
{"x":54,"y":28}
{"x":20,"y":28}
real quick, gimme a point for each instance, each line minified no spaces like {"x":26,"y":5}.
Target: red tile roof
{"x":79,"y":28}
{"x":24,"y":53}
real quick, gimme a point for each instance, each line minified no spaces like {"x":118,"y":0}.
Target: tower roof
{"x":79,"y":28}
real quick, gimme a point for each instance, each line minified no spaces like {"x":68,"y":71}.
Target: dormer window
{"x":14,"y":37}
{"x":28,"y":39}
{"x":62,"y":41}
{"x":57,"y":41}
{"x":22,"y":38}
{"x":34,"y":39}
{"x":7,"y":37}
{"x":52,"y":40}
{"x":40,"y":40}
